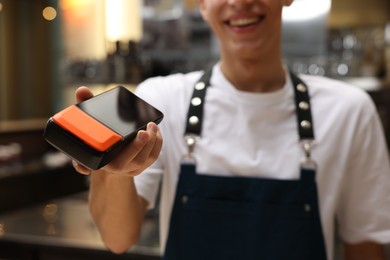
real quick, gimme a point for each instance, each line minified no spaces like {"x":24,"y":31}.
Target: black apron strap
{"x":195,"y":111}
{"x":303,"y":108}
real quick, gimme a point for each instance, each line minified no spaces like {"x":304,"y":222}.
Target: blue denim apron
{"x":222,"y":218}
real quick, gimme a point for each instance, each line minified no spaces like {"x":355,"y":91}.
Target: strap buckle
{"x":307,"y":162}
{"x":190,"y":140}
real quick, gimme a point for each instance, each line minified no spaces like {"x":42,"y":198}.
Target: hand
{"x":136,"y":156}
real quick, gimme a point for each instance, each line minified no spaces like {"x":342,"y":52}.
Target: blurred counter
{"x":63,"y":229}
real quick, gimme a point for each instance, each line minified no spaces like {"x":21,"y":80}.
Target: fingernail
{"x":143,"y":136}
{"x":153,"y":127}
{"x":74,"y":163}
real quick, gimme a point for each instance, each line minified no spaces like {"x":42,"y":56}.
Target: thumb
{"x":83,"y":93}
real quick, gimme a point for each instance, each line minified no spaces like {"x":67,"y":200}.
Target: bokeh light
{"x":49,"y":13}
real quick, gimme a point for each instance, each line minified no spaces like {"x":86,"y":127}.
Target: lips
{"x":243,"y":22}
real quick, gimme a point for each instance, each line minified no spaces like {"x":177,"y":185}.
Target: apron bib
{"x":217,"y":217}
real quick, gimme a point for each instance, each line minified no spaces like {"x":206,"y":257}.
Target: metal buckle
{"x":190,"y":140}
{"x":308,"y":162}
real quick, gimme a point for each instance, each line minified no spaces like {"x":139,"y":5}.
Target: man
{"x":260,"y":166}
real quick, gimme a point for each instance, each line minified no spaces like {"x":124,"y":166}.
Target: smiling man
{"x":257,"y":163}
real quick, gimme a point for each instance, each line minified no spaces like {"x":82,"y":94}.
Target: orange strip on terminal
{"x":85,"y":127}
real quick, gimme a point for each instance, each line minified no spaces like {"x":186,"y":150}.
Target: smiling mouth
{"x":242,"y":22}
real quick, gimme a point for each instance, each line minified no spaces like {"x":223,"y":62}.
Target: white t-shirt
{"x":255,"y":134}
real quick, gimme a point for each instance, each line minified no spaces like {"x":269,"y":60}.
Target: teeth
{"x":243,"y":22}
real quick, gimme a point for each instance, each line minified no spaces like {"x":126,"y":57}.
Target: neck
{"x":253,"y":75}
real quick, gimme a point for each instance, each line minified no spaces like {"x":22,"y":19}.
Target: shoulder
{"x":332,"y":86}
{"x":337,"y":94}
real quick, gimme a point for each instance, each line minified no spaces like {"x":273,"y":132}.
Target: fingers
{"x":151,"y":149}
{"x":139,"y":154}
{"x":128,"y":153}
{"x":81,"y":169}
{"x":157,"y":146}
{"x":83,"y":93}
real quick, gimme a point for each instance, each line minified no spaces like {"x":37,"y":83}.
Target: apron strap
{"x":195,"y":111}
{"x":304,"y":120}
{"x":303,"y":108}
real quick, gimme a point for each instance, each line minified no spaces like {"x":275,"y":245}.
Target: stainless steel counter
{"x":67,"y":225}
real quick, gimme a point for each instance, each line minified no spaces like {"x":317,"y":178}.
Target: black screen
{"x":121,"y":110}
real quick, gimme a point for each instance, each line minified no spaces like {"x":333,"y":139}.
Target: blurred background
{"x":50,"y":47}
